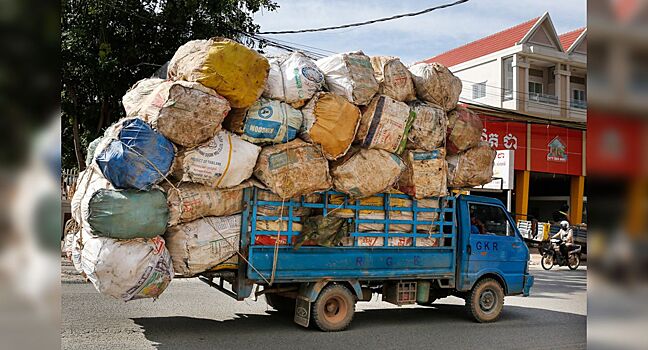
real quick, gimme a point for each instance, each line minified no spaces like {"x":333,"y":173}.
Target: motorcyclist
{"x":566,"y":236}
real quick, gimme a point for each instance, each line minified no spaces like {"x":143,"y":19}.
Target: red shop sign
{"x":505,"y":135}
{"x":556,"y":150}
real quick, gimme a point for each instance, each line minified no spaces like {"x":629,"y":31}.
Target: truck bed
{"x":353,"y":261}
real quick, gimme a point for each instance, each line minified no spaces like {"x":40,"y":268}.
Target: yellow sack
{"x":236,"y":72}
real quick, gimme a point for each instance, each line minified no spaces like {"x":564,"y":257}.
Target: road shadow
{"x":396,"y":328}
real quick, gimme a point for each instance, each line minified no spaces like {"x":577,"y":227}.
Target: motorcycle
{"x":551,"y":255}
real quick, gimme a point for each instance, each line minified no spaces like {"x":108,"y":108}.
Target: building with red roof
{"x":528,"y":68}
{"x":528,"y":84}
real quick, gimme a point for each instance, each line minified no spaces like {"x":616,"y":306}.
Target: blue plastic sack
{"x":139,"y":158}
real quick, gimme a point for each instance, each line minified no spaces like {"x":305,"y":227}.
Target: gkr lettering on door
{"x":490,"y":246}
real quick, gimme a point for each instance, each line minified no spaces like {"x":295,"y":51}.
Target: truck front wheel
{"x":486,"y":300}
{"x":334,"y":308}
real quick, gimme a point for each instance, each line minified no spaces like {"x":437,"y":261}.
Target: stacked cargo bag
{"x":92,"y":148}
{"x":384,"y":125}
{"x":464,"y":130}
{"x":190,"y":201}
{"x":187,"y":113}
{"x":235,"y":120}
{"x":473,"y":167}
{"x":425,"y":173}
{"x":393,"y":78}
{"x":428,"y":131}
{"x":236,"y":72}
{"x":331,"y":122}
{"x":350,"y":75}
{"x":118,"y":214}
{"x":378,"y":201}
{"x":293,"y":169}
{"x":127,"y":269}
{"x":137,"y":94}
{"x":133,"y":155}
{"x":271,"y":121}
{"x":435,"y":84}
{"x":224,"y":161}
{"x":281,"y":209}
{"x":199,"y":245}
{"x":293,"y":79}
{"x":366,"y":172}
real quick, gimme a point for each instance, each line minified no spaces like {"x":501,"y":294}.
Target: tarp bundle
{"x":384,"y":124}
{"x":190,"y":201}
{"x":350,"y":75}
{"x":271,"y":121}
{"x":393,"y":78}
{"x":436,"y":84}
{"x":366,"y":172}
{"x":236,"y":72}
{"x":379,"y":201}
{"x":425,"y":173}
{"x":202,"y":244}
{"x":331,"y":122}
{"x":225,"y":161}
{"x":133,"y":155}
{"x":473,"y":167}
{"x":187,"y":113}
{"x":428,"y":131}
{"x":127,"y":269}
{"x":293,"y":79}
{"x":464,"y":130}
{"x":292,"y":169}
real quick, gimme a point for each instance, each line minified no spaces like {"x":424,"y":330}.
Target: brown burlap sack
{"x":435,"y":83}
{"x":384,"y":124}
{"x":464,"y":130}
{"x":473,"y":167}
{"x":394,"y":80}
{"x":428,"y":131}
{"x":331,"y":122}
{"x":366,"y":172}
{"x":425,"y":174}
{"x":293,"y":169}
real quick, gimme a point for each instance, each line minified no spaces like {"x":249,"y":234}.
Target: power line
{"x":385,"y":19}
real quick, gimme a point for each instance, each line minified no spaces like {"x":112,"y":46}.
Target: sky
{"x":411,"y":38}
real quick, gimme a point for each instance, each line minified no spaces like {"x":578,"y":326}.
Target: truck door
{"x":492,"y":245}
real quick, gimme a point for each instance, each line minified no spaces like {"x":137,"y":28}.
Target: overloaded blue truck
{"x":479,"y":256}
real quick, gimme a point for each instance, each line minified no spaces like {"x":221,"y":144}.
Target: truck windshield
{"x":489,"y":219}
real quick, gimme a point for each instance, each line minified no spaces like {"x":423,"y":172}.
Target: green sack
{"x":326,"y":231}
{"x":127,"y":214}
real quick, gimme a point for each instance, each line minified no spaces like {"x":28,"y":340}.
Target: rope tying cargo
{"x":275,"y":258}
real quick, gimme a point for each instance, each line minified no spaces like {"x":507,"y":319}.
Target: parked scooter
{"x":551,"y":255}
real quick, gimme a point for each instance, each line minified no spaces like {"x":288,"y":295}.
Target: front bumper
{"x":528,"y":283}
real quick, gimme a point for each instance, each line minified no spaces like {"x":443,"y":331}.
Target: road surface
{"x":192,"y":315}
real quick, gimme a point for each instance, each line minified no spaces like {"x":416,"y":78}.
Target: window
{"x":489,"y":220}
{"x":507,"y":64}
{"x":479,"y":90}
{"x":579,"y":100}
{"x":535,"y":88}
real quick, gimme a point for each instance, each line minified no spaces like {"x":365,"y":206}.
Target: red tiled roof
{"x":492,"y":43}
{"x":567,"y":39}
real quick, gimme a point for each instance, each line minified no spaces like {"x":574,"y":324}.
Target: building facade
{"x":528,"y":84}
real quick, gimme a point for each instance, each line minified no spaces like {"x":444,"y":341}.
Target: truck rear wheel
{"x":486,"y":300}
{"x":280,"y":303}
{"x":334,"y":308}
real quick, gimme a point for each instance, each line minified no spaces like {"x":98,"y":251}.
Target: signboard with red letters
{"x":553,"y":149}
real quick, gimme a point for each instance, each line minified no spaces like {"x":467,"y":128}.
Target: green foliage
{"x":108,"y":45}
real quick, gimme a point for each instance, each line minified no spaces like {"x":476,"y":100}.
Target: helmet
{"x":564,"y":224}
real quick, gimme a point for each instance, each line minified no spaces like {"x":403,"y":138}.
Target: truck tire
{"x":486,"y":300}
{"x":280,"y":303}
{"x":334,"y":308}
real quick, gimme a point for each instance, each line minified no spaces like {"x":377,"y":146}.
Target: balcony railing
{"x":542,"y":98}
{"x":579,"y":104}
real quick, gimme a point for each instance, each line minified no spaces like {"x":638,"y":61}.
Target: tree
{"x":108,"y":45}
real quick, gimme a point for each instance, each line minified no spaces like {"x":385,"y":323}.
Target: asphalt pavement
{"x":192,"y":315}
